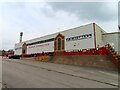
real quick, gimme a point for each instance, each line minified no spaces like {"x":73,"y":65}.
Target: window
{"x":84,"y":36}
{"x":59,"y":43}
{"x":79,"y":37}
{"x":43,"y":41}
{"x":87,"y":35}
{"x":90,"y":35}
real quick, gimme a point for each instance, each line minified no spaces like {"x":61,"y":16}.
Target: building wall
{"x":18,"y":48}
{"x":46,"y":47}
{"x":99,"y":37}
{"x":73,"y":44}
{"x":112,"y":38}
{"x":82,"y":43}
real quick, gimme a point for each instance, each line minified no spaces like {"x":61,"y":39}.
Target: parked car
{"x":14,"y":57}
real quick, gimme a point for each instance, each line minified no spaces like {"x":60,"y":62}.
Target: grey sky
{"x":101,"y":11}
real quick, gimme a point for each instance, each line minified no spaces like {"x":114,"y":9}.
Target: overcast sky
{"x":36,"y":19}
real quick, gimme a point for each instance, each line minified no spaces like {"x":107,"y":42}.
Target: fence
{"x":38,"y":54}
{"x":99,"y":51}
{"x":106,"y":50}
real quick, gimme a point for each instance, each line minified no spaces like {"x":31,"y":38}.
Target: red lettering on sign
{"x":39,"y":45}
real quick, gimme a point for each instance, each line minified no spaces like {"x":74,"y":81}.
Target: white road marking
{"x":111,"y":74}
{"x":114,"y":84}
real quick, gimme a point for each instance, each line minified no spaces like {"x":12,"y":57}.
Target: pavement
{"x":35,"y":74}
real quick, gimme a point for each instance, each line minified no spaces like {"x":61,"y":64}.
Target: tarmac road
{"x":33,"y":74}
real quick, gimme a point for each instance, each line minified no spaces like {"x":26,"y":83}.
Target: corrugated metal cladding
{"x":82,"y":37}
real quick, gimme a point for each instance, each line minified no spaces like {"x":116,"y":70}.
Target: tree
{"x":3,"y":52}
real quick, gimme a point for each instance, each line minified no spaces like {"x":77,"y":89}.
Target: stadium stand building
{"x":82,"y":37}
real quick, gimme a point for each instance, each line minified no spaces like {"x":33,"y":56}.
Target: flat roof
{"x":112,"y":33}
{"x":64,"y":30}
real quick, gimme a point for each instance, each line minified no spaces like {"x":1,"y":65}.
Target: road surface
{"x":34,"y":74}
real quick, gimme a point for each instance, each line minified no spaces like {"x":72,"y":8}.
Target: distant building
{"x":83,"y":37}
{"x":114,"y":39}
{"x":2,"y":52}
{"x":6,"y":53}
